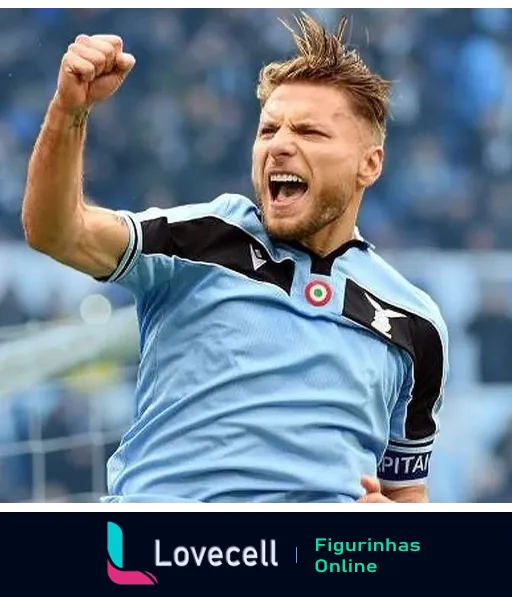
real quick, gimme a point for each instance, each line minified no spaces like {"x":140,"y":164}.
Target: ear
{"x":370,"y":166}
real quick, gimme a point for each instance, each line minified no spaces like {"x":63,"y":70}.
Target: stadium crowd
{"x":181,"y":129}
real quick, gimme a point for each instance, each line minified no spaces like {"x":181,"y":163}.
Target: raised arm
{"x":56,"y":219}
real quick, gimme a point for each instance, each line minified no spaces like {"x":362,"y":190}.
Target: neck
{"x":334,"y":235}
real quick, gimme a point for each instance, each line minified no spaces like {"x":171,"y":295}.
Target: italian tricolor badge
{"x":318,"y":293}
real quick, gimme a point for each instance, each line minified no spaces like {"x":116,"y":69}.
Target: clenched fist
{"x":93,"y":69}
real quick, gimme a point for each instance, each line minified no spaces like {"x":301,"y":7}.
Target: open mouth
{"x":287,"y":187}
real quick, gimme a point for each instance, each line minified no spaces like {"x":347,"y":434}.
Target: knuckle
{"x":112,"y":39}
{"x":106,"y":49}
{"x":82,"y":39}
{"x":67,"y":58}
{"x":110,"y":54}
{"x":99,"y":58}
{"x":97,"y":51}
{"x":76,"y":49}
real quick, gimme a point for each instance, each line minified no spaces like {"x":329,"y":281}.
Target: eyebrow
{"x":300,"y":123}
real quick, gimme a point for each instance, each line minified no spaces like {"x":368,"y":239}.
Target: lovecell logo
{"x":116,"y":573}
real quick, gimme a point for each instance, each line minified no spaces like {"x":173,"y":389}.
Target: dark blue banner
{"x":205,"y":553}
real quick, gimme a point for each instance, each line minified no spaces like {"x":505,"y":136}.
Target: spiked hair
{"x":324,"y":58}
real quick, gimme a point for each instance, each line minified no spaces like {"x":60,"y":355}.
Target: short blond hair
{"x":325,"y":59}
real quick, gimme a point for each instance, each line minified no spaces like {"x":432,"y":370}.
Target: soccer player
{"x":282,"y":359}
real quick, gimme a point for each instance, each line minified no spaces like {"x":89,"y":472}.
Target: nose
{"x":282,"y":144}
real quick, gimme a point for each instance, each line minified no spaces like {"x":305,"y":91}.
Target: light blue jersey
{"x":268,"y":374}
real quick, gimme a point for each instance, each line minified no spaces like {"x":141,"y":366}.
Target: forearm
{"x":53,"y":195}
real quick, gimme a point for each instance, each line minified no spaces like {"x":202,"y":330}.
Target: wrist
{"x":62,"y":117}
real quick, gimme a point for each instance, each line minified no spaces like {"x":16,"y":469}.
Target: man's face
{"x":307,"y":159}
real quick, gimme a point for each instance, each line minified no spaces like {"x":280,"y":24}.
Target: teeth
{"x":286,"y":178}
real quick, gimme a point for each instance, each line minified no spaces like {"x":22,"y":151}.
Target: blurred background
{"x":180,"y":131}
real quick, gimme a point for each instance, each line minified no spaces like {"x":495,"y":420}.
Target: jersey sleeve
{"x":414,"y":423}
{"x":147,"y":255}
{"x":156,"y":237}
